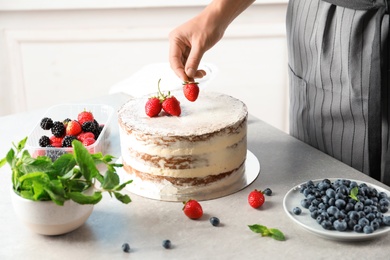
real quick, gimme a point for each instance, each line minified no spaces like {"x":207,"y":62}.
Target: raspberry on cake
{"x":198,"y":154}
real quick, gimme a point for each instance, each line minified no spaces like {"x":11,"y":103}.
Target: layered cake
{"x":199,"y":154}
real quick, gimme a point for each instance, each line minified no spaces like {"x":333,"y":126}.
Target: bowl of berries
{"x":61,"y":124}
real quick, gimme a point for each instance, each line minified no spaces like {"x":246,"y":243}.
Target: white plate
{"x":293,"y":199}
{"x":148,"y":190}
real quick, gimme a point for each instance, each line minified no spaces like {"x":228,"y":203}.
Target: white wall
{"x":57,"y":51}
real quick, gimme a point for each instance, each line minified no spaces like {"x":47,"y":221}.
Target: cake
{"x":199,"y":154}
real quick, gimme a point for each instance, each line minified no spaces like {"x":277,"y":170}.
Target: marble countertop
{"x":145,"y":223}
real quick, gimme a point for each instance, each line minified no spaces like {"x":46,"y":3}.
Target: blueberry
{"x":340,"y":203}
{"x":368,"y":229}
{"x":386,"y":220}
{"x":340,"y":225}
{"x":305,"y":203}
{"x":267,"y":192}
{"x":375,"y":224}
{"x":126,"y":247}
{"x":359,"y":206}
{"x":332,"y":210}
{"x":166,"y":244}
{"x":384,"y":202}
{"x":214,"y":221}
{"x":297,"y":211}
{"x":326,"y":224}
{"x":358,"y":228}
{"x":330,"y":193}
{"x":364,"y":222}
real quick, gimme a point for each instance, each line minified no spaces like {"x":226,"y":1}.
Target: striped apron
{"x":339,"y":80}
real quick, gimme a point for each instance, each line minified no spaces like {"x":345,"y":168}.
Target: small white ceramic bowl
{"x":48,"y":218}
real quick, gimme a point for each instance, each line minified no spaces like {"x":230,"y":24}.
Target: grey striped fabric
{"x":339,"y":80}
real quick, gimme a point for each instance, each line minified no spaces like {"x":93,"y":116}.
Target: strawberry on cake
{"x":199,"y":154}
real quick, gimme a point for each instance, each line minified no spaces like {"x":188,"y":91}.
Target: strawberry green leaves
{"x":71,"y":177}
{"x":270,"y":232}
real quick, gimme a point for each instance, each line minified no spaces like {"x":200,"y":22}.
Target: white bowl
{"x":48,"y":218}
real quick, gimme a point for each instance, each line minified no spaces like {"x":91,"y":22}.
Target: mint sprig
{"x":269,"y":232}
{"x":353,"y":193}
{"x":67,"y":178}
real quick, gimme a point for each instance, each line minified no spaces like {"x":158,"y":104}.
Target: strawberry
{"x":172,"y":106}
{"x":191,"y":90}
{"x":153,"y":107}
{"x":193,"y":209}
{"x":84,"y":135}
{"x":85,"y":116}
{"x":88,"y":141}
{"x":73,"y":128}
{"x":256,"y":199}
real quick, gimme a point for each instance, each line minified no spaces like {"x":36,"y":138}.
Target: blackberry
{"x":54,"y":154}
{"x":89,"y":126}
{"x":98,"y":131}
{"x":58,"y":129}
{"x":46,"y":123}
{"x":44,"y":141}
{"x":67,"y":141}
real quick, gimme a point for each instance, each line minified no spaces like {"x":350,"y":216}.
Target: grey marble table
{"x":145,"y":223}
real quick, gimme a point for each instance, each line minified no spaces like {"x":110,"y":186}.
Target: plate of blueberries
{"x":340,"y":209}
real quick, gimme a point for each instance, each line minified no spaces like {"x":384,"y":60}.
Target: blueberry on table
{"x":214,"y":221}
{"x":126,"y":247}
{"x":166,"y":244}
{"x":267,"y":192}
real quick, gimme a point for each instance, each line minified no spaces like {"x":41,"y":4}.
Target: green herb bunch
{"x":67,"y":178}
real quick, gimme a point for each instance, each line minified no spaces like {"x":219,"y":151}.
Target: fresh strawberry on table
{"x":256,"y":199}
{"x":191,"y":90}
{"x":192,"y":209}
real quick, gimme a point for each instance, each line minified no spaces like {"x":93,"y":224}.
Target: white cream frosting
{"x":209,"y":131}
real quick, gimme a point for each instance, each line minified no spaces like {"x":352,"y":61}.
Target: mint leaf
{"x":258,"y":228}
{"x":123,"y":198}
{"x":111,"y":179}
{"x":63,"y":164}
{"x":270,"y":232}
{"x":82,"y":198}
{"x":353,"y":193}
{"x":277,"y":234}
{"x":84,"y":160}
